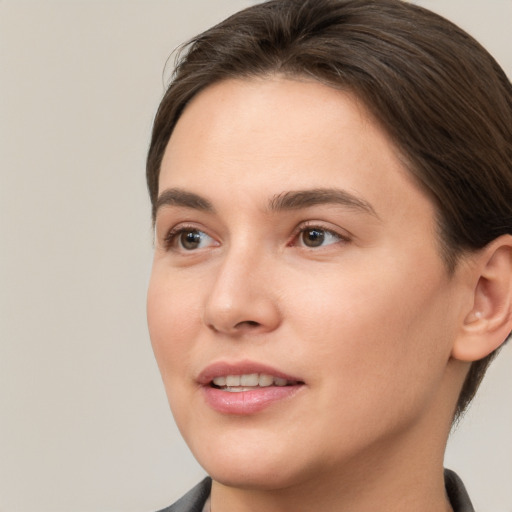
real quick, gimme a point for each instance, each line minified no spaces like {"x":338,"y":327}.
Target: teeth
{"x":247,"y":381}
{"x":232,"y":380}
{"x":265,"y":380}
{"x":219,"y":381}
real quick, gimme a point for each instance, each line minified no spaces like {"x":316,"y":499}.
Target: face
{"x":299,"y":309}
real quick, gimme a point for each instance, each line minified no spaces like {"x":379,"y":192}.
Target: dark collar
{"x":457,"y":493}
{"x":194,"y":500}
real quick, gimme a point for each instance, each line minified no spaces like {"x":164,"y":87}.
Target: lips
{"x":245,"y":387}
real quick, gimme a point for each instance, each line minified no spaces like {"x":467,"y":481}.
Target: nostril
{"x":248,"y":323}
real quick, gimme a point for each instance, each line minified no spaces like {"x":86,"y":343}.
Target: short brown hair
{"x":440,"y":95}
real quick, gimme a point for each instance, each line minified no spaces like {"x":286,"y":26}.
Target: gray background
{"x":84,"y":422}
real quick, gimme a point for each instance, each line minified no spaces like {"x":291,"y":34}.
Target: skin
{"x":367,"y":319}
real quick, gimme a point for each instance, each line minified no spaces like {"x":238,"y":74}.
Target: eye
{"x":317,"y":237}
{"x":188,"y":239}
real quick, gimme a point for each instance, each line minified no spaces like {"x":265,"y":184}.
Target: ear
{"x":489,"y":322}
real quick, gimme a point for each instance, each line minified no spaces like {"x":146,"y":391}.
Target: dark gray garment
{"x":457,"y":493}
{"x":195,"y":499}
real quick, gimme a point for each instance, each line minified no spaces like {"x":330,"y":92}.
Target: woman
{"x":331,"y":190}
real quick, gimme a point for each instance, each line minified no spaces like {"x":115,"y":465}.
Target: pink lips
{"x":245,"y":402}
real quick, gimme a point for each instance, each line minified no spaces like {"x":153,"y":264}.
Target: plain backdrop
{"x":84,"y":422}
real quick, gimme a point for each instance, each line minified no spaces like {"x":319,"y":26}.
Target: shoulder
{"x":194,"y":500}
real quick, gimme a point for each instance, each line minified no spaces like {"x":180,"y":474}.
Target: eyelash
{"x":172,"y":237}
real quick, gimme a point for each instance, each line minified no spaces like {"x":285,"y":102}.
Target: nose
{"x":242,"y":299}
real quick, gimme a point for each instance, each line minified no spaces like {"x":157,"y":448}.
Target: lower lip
{"x":247,"y":402}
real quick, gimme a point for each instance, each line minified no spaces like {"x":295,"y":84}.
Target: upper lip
{"x":223,"y":368}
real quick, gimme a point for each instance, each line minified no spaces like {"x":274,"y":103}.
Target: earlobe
{"x":489,"y":322}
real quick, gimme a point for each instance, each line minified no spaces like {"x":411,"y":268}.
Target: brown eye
{"x":313,"y":237}
{"x":189,"y":239}
{"x":318,"y":237}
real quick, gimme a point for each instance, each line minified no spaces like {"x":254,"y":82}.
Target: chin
{"x":249,"y":465}
{"x":262,"y":478}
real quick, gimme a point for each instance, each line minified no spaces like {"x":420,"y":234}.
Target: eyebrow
{"x":292,"y":200}
{"x":180,"y":197}
{"x":295,"y":200}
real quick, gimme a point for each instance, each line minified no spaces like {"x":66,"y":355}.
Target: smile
{"x":246,"y":387}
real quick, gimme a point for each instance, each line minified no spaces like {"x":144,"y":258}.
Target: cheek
{"x":172,"y":323}
{"x":382,"y":343}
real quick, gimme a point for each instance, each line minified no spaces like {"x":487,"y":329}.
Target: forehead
{"x":279,"y":133}
{"x":270,"y":110}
